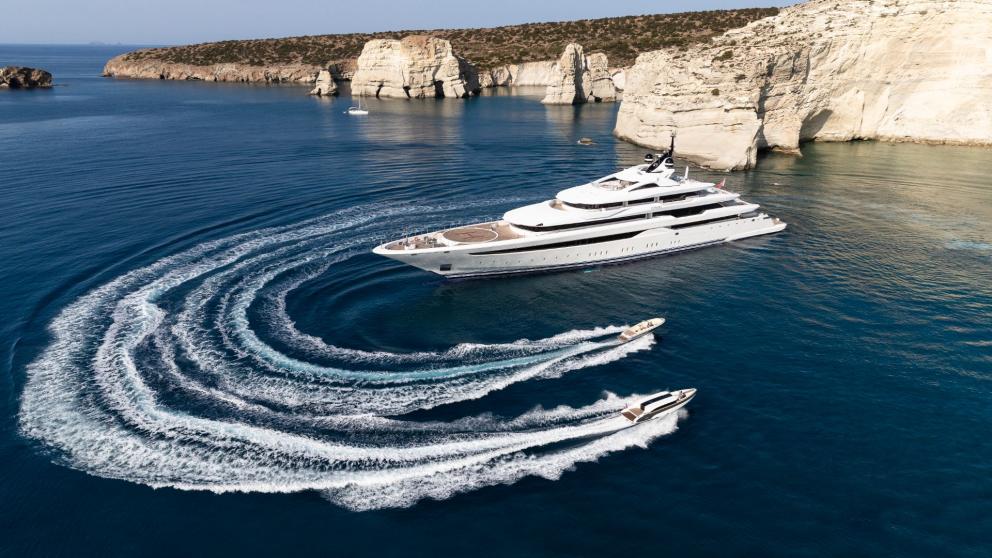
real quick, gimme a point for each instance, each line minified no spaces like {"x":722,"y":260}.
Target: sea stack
{"x":577,"y":78}
{"x":325,"y":85}
{"x":415,"y":67}
{"x":900,"y":70}
{"x":20,"y":77}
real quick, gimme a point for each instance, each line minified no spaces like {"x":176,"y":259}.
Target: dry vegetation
{"x":621,"y":38}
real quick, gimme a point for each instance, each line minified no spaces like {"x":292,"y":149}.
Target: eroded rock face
{"x":18,"y":77}
{"x":896,"y":70}
{"x":414,"y":67}
{"x":577,"y":78}
{"x":124,"y":66}
{"x":325,"y":85}
{"x":540,"y":73}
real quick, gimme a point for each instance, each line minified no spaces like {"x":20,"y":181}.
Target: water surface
{"x":190,"y":304}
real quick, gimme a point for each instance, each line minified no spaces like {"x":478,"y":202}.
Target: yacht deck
{"x":479,"y":233}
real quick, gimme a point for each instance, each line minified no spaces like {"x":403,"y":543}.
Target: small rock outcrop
{"x":414,"y":67}
{"x":834,"y":70}
{"x":325,"y":84}
{"x":577,"y":78}
{"x":19,"y":77}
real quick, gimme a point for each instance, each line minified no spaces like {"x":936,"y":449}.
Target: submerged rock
{"x":577,"y":78}
{"x":416,"y":67}
{"x":19,"y":77}
{"x":325,"y":85}
{"x":899,"y":70}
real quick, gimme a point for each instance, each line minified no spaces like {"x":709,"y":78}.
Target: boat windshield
{"x":655,"y":399}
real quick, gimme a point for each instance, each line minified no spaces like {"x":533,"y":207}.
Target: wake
{"x":158,"y":377}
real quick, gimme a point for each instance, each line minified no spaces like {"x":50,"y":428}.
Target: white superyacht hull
{"x":502,"y":258}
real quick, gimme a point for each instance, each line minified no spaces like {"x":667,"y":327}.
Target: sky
{"x":166,"y":22}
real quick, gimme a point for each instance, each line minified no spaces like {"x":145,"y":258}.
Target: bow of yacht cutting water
{"x":641,"y":211}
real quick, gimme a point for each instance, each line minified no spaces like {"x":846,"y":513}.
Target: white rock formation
{"x":619,"y":77}
{"x":540,"y":73}
{"x":325,"y":84}
{"x":836,"y":70}
{"x":602,"y":88}
{"x":414,"y":67}
{"x":577,"y":78}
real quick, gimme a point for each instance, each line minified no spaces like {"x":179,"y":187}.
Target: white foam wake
{"x":159,"y":377}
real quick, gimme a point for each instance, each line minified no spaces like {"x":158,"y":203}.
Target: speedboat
{"x":640,"y":329}
{"x":659,"y":404}
{"x":638,"y":212}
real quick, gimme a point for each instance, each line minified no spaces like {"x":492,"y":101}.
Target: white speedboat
{"x":638,"y":212}
{"x":640,"y":329}
{"x":659,"y":404}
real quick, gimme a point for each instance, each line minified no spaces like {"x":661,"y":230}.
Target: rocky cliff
{"x":126,"y":66}
{"x":836,"y":70}
{"x":415,"y":67}
{"x":577,"y":78}
{"x":18,"y":77}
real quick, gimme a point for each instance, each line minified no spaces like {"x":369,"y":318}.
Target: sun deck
{"x":471,"y":234}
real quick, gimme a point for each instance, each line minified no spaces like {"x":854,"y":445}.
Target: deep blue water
{"x":188,"y":301}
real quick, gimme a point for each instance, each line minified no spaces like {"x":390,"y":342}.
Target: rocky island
{"x":19,"y":77}
{"x":894,"y":70}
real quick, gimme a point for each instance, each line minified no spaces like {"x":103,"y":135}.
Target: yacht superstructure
{"x":642,"y":211}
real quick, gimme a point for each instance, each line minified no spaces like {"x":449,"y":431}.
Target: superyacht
{"x":642,"y":211}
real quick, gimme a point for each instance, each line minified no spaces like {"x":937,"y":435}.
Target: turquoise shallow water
{"x":190,"y":304}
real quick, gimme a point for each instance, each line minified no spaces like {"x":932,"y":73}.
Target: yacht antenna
{"x":671,"y":150}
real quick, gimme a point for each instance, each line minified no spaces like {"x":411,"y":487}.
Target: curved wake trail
{"x":159,"y":377}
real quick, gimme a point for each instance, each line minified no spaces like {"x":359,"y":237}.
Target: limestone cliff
{"x":124,"y":66}
{"x":416,"y":67}
{"x":577,"y":78}
{"x":18,"y":77}
{"x":541,"y":72}
{"x":897,"y":70}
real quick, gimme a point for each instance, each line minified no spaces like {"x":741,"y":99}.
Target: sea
{"x":200,"y":356}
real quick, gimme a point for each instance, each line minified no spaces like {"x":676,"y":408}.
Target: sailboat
{"x":357,"y":111}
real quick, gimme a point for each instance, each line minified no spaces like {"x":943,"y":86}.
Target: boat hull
{"x":481,"y":260}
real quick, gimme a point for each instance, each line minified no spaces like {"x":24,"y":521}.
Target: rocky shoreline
{"x":825,"y":70}
{"x":416,"y":66}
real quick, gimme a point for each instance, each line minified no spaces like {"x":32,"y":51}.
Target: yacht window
{"x":581,"y":242}
{"x":540,"y":228}
{"x":594,"y":205}
{"x":643,"y":186}
{"x":654,"y":400}
{"x":696,"y":210}
{"x":704,"y":222}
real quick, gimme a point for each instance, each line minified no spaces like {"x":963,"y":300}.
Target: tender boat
{"x":639,"y":212}
{"x":640,"y":329}
{"x":659,"y":404}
